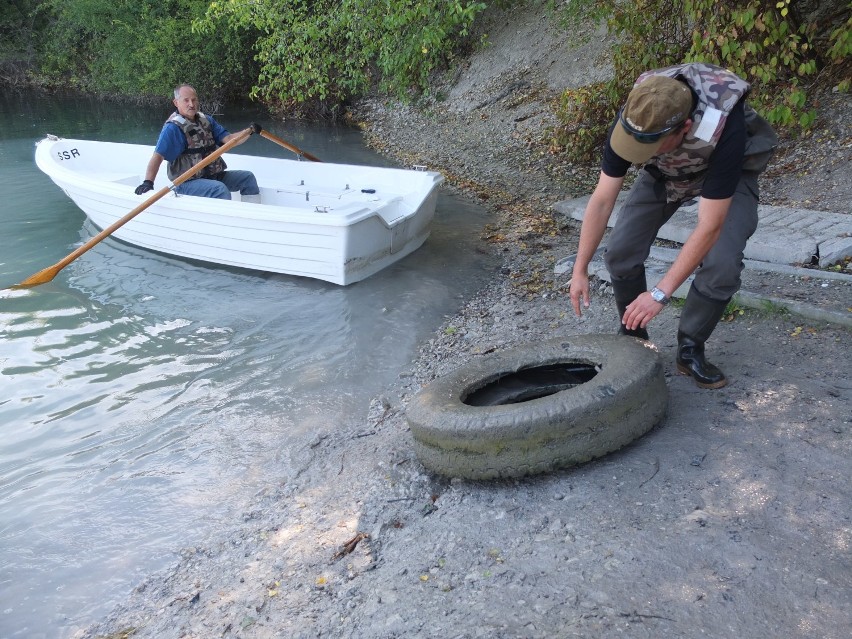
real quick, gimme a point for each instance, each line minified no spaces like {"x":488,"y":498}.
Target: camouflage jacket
{"x":200,"y":144}
{"x":718,"y":91}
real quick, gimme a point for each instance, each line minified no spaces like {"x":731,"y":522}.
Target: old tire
{"x":539,"y":426}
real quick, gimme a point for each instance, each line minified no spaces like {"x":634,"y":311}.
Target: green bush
{"x":328,"y":51}
{"x":586,"y":113}
{"x":143,"y":47}
{"x":21,"y":26}
{"x":292,"y":54}
{"x":779,"y":51}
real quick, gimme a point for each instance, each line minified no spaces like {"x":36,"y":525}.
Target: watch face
{"x":658,"y":295}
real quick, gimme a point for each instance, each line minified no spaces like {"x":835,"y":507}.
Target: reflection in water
{"x":146,"y":399}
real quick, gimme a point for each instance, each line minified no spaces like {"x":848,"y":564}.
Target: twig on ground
{"x":349,"y":546}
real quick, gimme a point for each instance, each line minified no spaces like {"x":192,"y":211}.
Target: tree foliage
{"x":318,"y":54}
{"x":22,"y":23}
{"x":288,"y":53}
{"x":779,"y":50}
{"x":328,"y":51}
{"x":143,"y":47}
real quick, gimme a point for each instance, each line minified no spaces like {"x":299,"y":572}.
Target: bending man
{"x":690,"y":126}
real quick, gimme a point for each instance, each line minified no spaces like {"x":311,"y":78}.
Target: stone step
{"x":771,"y":279}
{"x":784,"y":235}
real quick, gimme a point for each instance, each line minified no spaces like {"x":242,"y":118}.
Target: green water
{"x":145,"y":400}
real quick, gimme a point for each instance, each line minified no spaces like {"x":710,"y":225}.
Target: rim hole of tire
{"x":530,"y":383}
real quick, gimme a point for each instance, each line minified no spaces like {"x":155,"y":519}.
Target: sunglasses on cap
{"x":645,"y":138}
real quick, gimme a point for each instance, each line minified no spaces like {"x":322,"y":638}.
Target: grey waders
{"x":697,"y":320}
{"x":625,"y":291}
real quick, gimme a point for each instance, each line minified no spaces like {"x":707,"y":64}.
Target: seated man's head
{"x":186,"y":101}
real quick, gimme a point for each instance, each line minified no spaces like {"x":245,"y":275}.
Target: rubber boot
{"x":625,"y":291}
{"x":697,"y":321}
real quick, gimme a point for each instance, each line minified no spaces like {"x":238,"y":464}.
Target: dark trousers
{"x":646,"y":210}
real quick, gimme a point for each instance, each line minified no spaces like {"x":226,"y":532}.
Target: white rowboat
{"x":335,"y":222}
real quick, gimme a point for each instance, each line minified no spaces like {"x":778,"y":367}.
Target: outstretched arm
{"x":711,"y":217}
{"x":231,"y":136}
{"x":598,"y":211}
{"x":153,"y":166}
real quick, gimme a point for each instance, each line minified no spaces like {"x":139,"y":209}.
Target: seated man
{"x":188,"y":136}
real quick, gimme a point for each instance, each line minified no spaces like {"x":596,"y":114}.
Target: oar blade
{"x":42,"y":277}
{"x":49,"y":273}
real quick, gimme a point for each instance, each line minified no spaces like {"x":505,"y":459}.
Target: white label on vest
{"x":709,"y":124}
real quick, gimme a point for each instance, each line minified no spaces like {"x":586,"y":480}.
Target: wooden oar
{"x":50,"y":272}
{"x":288,"y":146}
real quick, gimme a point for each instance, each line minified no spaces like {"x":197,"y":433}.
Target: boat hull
{"x":333,"y":222}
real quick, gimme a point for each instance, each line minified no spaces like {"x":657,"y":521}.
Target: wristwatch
{"x":659,"y":296}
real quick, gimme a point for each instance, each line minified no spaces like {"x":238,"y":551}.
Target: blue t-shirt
{"x":172,"y":141}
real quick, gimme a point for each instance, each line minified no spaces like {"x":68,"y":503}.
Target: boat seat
{"x":394,"y":210}
{"x":122,"y":178}
{"x":341,"y":195}
{"x":302,"y":191}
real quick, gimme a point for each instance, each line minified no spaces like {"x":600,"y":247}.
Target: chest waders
{"x":680,"y":175}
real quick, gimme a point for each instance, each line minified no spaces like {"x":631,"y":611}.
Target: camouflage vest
{"x":200,"y":143}
{"x":718,"y":91}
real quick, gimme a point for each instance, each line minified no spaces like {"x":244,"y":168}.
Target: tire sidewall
{"x":626,"y":398}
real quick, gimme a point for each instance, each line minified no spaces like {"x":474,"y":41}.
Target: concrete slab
{"x":784,"y":235}
{"x":764,"y":285}
{"x":834,"y":250}
{"x":772,"y":277}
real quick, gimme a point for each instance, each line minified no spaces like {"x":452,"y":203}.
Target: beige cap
{"x":657,"y":105}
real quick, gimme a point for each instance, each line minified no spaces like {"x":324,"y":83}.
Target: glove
{"x":255,"y":128}
{"x":146,"y":186}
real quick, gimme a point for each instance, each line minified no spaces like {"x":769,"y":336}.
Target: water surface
{"x":146,"y":399}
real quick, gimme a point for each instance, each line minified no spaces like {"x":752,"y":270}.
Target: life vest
{"x":199,"y":144}
{"x":718,"y":91}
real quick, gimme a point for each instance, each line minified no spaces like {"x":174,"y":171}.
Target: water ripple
{"x":146,"y":399}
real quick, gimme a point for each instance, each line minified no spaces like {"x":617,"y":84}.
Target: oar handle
{"x":50,"y":272}
{"x":269,"y":136}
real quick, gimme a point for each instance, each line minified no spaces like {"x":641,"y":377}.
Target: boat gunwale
{"x":350,"y":213}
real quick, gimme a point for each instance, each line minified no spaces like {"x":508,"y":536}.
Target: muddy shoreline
{"x":730,"y":519}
